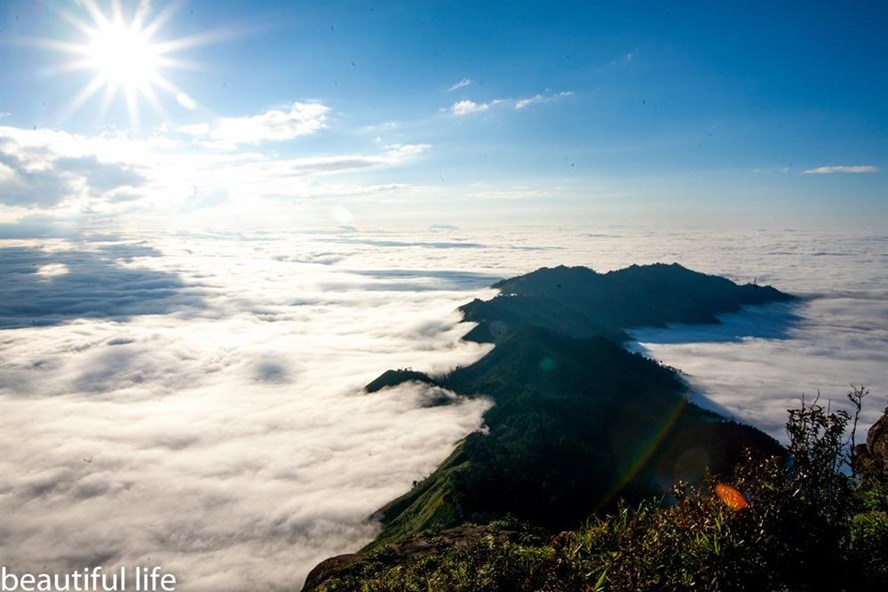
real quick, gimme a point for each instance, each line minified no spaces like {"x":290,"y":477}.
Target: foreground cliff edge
{"x":577,"y":421}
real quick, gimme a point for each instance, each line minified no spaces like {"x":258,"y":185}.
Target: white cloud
{"x":522,"y":103}
{"x":220,"y":440}
{"x":86,"y":180}
{"x":467,"y":107}
{"x":401,"y":151}
{"x":194,"y":398}
{"x":35,"y":175}
{"x":461,"y":84}
{"x":828,"y":170}
{"x":195,"y":129}
{"x":258,"y":171}
{"x":541,"y":98}
{"x":186,"y":101}
{"x":274,"y":125}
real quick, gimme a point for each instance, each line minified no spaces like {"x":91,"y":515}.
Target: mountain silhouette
{"x":579,"y":302}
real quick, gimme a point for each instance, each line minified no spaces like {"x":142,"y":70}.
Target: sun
{"x":125,"y":59}
{"x":124,"y":56}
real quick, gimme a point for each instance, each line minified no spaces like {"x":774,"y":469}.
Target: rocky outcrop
{"x":871,"y":459}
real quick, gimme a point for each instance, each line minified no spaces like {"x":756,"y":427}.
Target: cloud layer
{"x":195,"y":399}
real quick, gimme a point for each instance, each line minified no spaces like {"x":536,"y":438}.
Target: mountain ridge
{"x":577,"y":421}
{"x":580,"y":302}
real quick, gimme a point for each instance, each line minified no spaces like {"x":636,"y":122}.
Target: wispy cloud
{"x":541,"y":98}
{"x":268,"y":170}
{"x":461,"y":84}
{"x":467,"y":107}
{"x":517,"y":192}
{"x":276,"y":125}
{"x":626,"y":58}
{"x":829,"y":170}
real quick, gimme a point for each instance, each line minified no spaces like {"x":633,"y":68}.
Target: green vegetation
{"x":575,"y":423}
{"x":565,"y":488}
{"x":810,"y":524}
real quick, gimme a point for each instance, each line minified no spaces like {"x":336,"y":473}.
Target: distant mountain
{"x":579,"y":302}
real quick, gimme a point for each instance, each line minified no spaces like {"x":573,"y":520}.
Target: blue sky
{"x":379,"y":114}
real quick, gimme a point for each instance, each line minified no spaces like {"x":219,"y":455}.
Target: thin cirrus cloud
{"x":280,"y":169}
{"x":461,"y":84}
{"x":541,"y":98}
{"x":465,"y":107}
{"x":847,"y":170}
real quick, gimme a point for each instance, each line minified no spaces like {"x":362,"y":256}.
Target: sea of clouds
{"x":194,"y":400}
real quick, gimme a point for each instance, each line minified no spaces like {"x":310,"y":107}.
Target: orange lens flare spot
{"x":732,"y":498}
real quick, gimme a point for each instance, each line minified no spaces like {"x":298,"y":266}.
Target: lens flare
{"x":731,"y":497}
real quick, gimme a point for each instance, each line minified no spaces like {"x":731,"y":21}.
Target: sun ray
{"x":107,"y":97}
{"x":100,"y":20}
{"x":151,"y":98}
{"x":161,"y":19}
{"x":132,"y":106}
{"x":141,"y":13}
{"x":83,"y":96}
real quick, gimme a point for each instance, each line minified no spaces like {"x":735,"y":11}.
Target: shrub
{"x":806,"y":523}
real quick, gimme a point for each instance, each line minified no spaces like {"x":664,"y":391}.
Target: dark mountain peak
{"x":579,"y":302}
{"x":547,"y":278}
{"x":654,"y":268}
{"x":392,"y":378}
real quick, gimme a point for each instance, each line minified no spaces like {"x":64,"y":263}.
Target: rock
{"x":327,"y":568}
{"x":871,"y":459}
